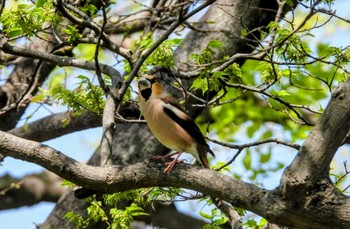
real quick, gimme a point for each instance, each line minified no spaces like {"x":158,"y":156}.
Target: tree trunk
{"x":133,"y":142}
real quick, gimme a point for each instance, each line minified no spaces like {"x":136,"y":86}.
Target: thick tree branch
{"x":29,"y":190}
{"x":57,"y":125}
{"x":311,"y":197}
{"x":269,"y":204}
{"x":120,"y":178}
{"x":314,"y":157}
{"x":46,"y":186}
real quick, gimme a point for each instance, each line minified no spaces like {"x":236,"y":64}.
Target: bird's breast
{"x":166,"y":130}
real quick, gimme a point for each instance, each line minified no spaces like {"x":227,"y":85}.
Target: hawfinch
{"x":169,"y":123}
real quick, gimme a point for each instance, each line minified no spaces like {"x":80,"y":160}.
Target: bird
{"x":169,"y":123}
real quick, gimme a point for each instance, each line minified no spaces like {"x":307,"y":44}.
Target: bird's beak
{"x":144,"y":83}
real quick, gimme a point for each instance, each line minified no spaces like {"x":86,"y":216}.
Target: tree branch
{"x":57,"y":125}
{"x":29,"y":190}
{"x":269,"y":204}
{"x":113,"y":179}
{"x":233,"y":216}
{"x":314,"y":157}
{"x":58,"y":60}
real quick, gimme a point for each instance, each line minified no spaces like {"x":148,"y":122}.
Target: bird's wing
{"x":174,"y":110}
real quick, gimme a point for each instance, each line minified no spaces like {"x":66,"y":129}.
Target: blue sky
{"x":80,"y":145}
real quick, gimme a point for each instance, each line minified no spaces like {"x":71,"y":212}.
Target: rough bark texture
{"x":304,"y":199}
{"x":131,"y":137}
{"x":57,"y":125}
{"x":30,"y":190}
{"x":224,"y":22}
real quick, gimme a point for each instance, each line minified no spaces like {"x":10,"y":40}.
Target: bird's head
{"x":150,"y":86}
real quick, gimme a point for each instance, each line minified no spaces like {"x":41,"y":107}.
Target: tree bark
{"x":304,"y":199}
{"x":125,"y":151}
{"x":29,"y":190}
{"x":57,"y":125}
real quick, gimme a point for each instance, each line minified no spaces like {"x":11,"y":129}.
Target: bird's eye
{"x":152,"y":80}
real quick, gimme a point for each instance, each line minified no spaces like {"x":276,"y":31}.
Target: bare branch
{"x":29,"y":190}
{"x":86,"y":22}
{"x":58,"y":60}
{"x":109,"y":109}
{"x":269,"y":204}
{"x":57,"y":125}
{"x":278,"y":99}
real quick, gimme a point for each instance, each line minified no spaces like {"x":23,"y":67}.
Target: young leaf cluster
{"x":215,"y":217}
{"x":86,"y":96}
{"x":254,"y":224}
{"x":206,"y":79}
{"x":107,"y":211}
{"x":73,"y":33}
{"x":28,"y":19}
{"x":163,"y":55}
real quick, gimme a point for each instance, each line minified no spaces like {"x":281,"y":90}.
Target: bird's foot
{"x":170,"y":165}
{"x":165,"y":156}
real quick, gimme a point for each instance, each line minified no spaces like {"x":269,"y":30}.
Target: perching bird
{"x":169,"y":123}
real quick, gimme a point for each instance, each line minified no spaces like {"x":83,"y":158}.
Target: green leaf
{"x":15,"y":33}
{"x":262,"y":222}
{"x":265,"y":157}
{"x":96,"y":212}
{"x":28,"y":19}
{"x":254,"y":127}
{"x":25,"y":126}
{"x":267,"y":134}
{"x":219,"y":164}
{"x":70,"y":216}
{"x":220,"y":221}
{"x":201,"y":84}
{"x":215,"y":44}
{"x":68,"y":183}
{"x":79,"y":221}
{"x":247,"y":160}
{"x":135,"y":210}
{"x":73,"y":33}
{"x":40,"y":96}
{"x":251,"y":223}
{"x":243,"y":32}
{"x":40,"y":3}
{"x":205,"y":215}
{"x":282,"y":93}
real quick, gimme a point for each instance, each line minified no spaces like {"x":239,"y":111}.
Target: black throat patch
{"x":146,"y":93}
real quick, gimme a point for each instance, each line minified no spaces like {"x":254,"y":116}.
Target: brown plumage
{"x":169,"y":122}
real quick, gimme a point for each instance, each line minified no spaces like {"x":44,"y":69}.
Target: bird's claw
{"x":170,"y":165}
{"x":165,"y":156}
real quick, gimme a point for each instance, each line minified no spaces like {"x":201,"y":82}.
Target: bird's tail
{"x":202,"y":154}
{"x":209,"y":150}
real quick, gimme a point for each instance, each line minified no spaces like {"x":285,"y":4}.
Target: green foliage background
{"x":263,"y":99}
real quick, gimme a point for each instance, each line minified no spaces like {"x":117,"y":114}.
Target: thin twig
{"x":248,"y":145}
{"x":108,"y":123}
